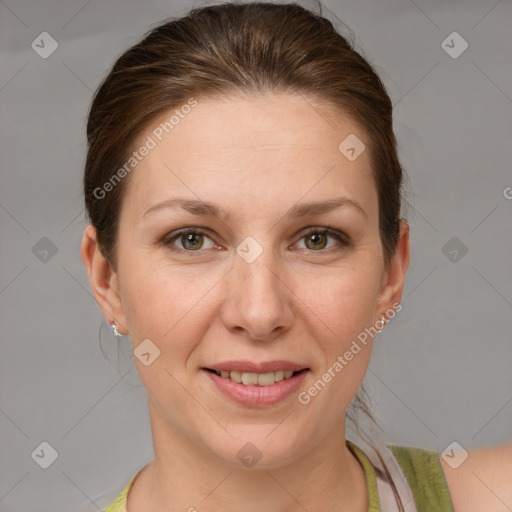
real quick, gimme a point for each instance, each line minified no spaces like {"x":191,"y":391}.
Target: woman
{"x":244,"y":195}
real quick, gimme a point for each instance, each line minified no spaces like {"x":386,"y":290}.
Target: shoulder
{"x":483,"y":481}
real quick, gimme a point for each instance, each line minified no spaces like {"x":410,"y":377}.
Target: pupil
{"x":315,"y":237}
{"x":190,"y":237}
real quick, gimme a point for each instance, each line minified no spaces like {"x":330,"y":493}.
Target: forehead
{"x":279,"y":147}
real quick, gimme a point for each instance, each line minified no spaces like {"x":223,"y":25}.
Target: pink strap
{"x":386,"y":495}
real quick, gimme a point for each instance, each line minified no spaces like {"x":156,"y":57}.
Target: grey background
{"x":440,"y":371}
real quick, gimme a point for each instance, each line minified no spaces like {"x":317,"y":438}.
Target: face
{"x":261,"y":282}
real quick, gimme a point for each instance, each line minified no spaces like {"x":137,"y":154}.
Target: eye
{"x":316,"y":239}
{"x":192,"y":240}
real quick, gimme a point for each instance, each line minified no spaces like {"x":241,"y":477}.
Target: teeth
{"x":236,"y":376}
{"x":279,"y":375}
{"x":256,"y":379}
{"x":250,"y":379}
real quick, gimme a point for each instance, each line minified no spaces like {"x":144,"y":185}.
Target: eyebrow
{"x":197,"y":207}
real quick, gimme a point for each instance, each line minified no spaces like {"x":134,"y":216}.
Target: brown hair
{"x":234,"y":48}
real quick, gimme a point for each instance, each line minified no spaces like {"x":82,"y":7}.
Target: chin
{"x":259,"y":447}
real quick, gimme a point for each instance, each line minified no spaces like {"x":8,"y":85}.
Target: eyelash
{"x":342,"y":239}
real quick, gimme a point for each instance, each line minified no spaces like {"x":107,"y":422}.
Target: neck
{"x":185,"y":476}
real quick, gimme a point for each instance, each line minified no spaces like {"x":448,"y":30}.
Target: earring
{"x":114,"y":330}
{"x":383,"y":322}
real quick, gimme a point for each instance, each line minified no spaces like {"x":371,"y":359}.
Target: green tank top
{"x":421,"y":468}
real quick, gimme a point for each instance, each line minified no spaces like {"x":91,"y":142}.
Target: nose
{"x":259,"y":299}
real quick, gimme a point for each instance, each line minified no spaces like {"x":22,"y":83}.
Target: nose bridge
{"x":256,"y":265}
{"x":258,"y":299}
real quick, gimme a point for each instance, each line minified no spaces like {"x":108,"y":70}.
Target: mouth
{"x":257,"y":385}
{"x":257,"y":379}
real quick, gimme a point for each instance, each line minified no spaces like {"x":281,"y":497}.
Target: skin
{"x":483,"y":480}
{"x":257,"y":157}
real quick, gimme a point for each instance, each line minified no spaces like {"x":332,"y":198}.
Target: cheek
{"x":343,"y":302}
{"x":341,"y":312}
{"x":165,"y":303}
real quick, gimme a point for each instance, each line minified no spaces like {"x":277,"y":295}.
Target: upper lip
{"x":251,"y":367}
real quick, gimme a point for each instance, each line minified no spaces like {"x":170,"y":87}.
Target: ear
{"x":103,"y":280}
{"x":394,"y":276}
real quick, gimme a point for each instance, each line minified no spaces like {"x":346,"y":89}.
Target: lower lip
{"x":257,"y":396}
